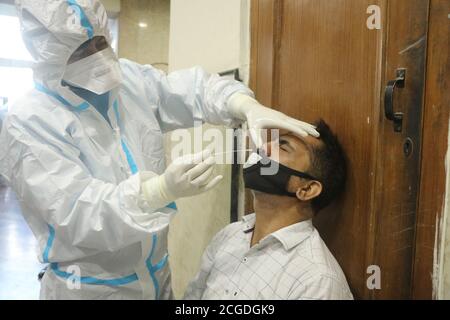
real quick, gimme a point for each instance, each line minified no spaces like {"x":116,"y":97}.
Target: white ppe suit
{"x":78,"y":178}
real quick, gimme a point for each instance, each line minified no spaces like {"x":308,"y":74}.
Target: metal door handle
{"x":396,"y":117}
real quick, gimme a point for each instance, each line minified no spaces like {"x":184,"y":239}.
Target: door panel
{"x":329,"y":68}
{"x":397,"y":174}
{"x":263,"y":52}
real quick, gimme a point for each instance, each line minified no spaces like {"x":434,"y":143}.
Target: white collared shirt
{"x":291,"y":263}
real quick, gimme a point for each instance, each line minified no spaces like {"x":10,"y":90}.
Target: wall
{"x":213,"y":34}
{"x":112,"y":6}
{"x":443,"y":246}
{"x":440,"y":61}
{"x":144,"y":31}
{"x":439,"y":99}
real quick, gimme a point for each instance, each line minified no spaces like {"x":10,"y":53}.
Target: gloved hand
{"x":186,"y":176}
{"x":259,"y":117}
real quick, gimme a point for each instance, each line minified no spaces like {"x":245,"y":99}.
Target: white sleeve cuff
{"x":153,"y":192}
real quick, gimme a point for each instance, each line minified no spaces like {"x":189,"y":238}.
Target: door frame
{"x":434,"y":150}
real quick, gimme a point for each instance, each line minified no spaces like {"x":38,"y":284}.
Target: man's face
{"x":292,"y":151}
{"x":88,"y":48}
{"x":295,"y":153}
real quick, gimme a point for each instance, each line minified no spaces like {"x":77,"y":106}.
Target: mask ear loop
{"x":298,"y":173}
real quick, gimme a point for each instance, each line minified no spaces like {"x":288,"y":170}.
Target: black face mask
{"x":271,"y":184}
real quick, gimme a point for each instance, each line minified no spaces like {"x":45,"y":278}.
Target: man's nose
{"x":269,"y":147}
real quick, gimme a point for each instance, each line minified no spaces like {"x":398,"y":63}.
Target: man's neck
{"x":275,"y":212}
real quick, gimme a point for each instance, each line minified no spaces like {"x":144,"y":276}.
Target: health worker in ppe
{"x":84,"y":152}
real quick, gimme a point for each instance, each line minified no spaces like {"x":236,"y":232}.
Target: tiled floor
{"x":19,"y":265}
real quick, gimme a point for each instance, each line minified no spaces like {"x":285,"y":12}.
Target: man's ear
{"x":309,"y":191}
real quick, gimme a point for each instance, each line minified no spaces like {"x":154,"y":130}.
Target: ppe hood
{"x":52,"y":30}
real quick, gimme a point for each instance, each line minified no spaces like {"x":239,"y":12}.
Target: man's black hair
{"x":328,"y":165}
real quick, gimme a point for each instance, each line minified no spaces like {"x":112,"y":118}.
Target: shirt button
{"x":226,"y":291}
{"x":235,"y":293}
{"x":244,"y":260}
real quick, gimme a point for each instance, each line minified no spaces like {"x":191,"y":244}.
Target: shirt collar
{"x":293,"y":235}
{"x":248,"y":222}
{"x":290,"y":236}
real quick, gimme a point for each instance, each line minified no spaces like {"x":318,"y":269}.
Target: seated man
{"x":276,"y":253}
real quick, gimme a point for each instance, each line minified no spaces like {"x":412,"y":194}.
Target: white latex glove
{"x":259,"y":117}
{"x":187,"y":176}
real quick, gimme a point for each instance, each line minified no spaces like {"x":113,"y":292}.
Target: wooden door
{"x":318,"y":59}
